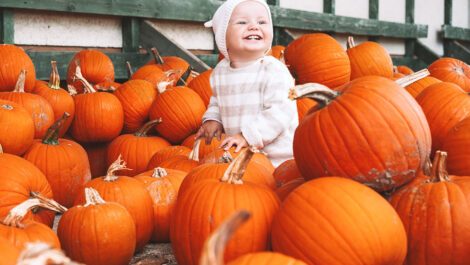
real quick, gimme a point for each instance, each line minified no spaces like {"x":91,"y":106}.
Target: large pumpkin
{"x":17,"y":128}
{"x":374,"y":132}
{"x":166,"y":153}
{"x":434,"y":209}
{"x":13,"y":59}
{"x":338,"y":221}
{"x":8,"y":252}
{"x":417,"y":87}
{"x":457,"y":145}
{"x":201,"y":84}
{"x":369,"y":58}
{"x":451,"y":70}
{"x":166,"y":63}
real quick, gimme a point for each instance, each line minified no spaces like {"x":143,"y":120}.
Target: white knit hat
{"x":219,"y":22}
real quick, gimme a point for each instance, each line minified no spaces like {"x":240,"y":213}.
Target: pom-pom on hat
{"x":219,"y":22}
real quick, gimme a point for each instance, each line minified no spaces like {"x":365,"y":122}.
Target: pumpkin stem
{"x":17,"y":214}
{"x":72,"y":90}
{"x":78,"y":76}
{"x":234,"y":172}
{"x":350,"y":43}
{"x":439,"y":171}
{"x":52,"y":134}
{"x":225,"y":158}
{"x":194,"y":154}
{"x":54,"y":79}
{"x":411,"y":78}
{"x":129,"y":69}
{"x":142,"y":132}
{"x":318,"y":92}
{"x":119,"y":164}
{"x":92,"y":197}
{"x":55,"y":206}
{"x":1,"y":149}
{"x":42,"y":253}
{"x":213,"y":250}
{"x":19,"y":86}
{"x":156,"y":55}
{"x":282,"y":57}
{"x":159,"y":172}
{"x":167,"y":80}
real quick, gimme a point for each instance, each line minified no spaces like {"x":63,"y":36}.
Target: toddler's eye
{"x":262,"y":22}
{"x":241,"y":22}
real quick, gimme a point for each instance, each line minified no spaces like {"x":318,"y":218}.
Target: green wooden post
{"x":373,"y":14}
{"x":130,"y":34}
{"x":329,"y":6}
{"x":448,"y":47}
{"x":277,"y":31}
{"x":410,"y":18}
{"x":7,"y":32}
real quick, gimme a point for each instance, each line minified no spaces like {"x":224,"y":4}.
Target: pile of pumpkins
{"x":379,"y":176}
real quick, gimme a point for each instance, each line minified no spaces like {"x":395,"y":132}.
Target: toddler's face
{"x":249,"y":32}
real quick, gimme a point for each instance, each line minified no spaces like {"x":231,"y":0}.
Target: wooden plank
{"x":456,"y":49}
{"x":42,"y":63}
{"x":130,"y":34}
{"x":273,"y":2}
{"x":282,"y":37}
{"x":202,"y":10}
{"x":424,"y":53}
{"x":455,"y":33}
{"x":210,"y":59}
{"x":329,"y":6}
{"x":7,"y":32}
{"x":448,"y":12}
{"x":151,"y":37}
{"x":410,"y":18}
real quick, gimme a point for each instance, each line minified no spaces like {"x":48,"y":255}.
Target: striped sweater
{"x":254,"y":100}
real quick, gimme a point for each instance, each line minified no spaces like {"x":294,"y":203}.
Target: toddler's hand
{"x":237,"y":140}
{"x":208,"y":130}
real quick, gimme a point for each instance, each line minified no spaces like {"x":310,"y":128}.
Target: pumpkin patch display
{"x":13,"y":60}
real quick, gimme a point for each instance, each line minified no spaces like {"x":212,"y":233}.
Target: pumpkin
{"x":202,"y":86}
{"x":457,"y":145}
{"x":352,"y":225}
{"x":312,"y":57}
{"x":177,"y":123}
{"x":434,"y":208}
{"x":417,"y":87}
{"x":163,"y":186}
{"x":444,"y":104}
{"x":97,"y":232}
{"x":61,"y":101}
{"x":19,"y":231}
{"x":151,"y":73}
{"x":183,"y":162}
{"x":212,"y":253}
{"x":136,"y":97}
{"x":204,"y":147}
{"x":377,"y":132}
{"x":404,"y":69}
{"x":277,"y":51}
{"x":13,"y":59}
{"x":128,"y":192}
{"x":8,"y":252}
{"x":98,"y":115}
{"x":304,"y":105}
{"x":63,"y":162}
{"x":175,"y":63}
{"x":166,"y":153}
{"x":215,"y":200}
{"x":17,"y":130}
{"x":287,"y":187}
{"x":19,"y":178}
{"x":221,"y":155}
{"x":286,"y":172}
{"x":369,"y":58}
{"x":95,"y":66}
{"x":451,"y":70}
{"x":136,"y":149}
{"x":97,"y":153}
{"x":38,"y":107}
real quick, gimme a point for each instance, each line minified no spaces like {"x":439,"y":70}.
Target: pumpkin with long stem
{"x":220,"y":154}
{"x":163,"y":186}
{"x":166,"y":153}
{"x":13,"y":59}
{"x":172,"y":63}
{"x":151,"y":73}
{"x":434,"y":209}
{"x":184,"y":162}
{"x":17,"y":130}
{"x":63,"y":162}
{"x":206,"y":204}
{"x":128,"y":192}
{"x":97,"y":232}
{"x":61,"y":101}
{"x":204,"y":148}
{"x":136,"y":149}
{"x":451,"y":70}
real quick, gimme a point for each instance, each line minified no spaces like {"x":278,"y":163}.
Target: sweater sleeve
{"x":212,"y":112}
{"x":278,"y":110}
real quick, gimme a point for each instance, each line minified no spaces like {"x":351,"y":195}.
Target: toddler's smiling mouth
{"x":253,"y":37}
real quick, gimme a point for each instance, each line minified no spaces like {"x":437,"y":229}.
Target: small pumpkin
{"x":457,"y":145}
{"x":183,"y":162}
{"x":17,"y":130}
{"x":201,"y":84}
{"x":286,"y":172}
{"x":13,"y":59}
{"x":451,"y":70}
{"x":204,"y":147}
{"x":166,"y":153}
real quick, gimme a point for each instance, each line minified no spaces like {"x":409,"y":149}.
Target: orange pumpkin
{"x":17,"y":130}
{"x":13,"y":59}
{"x":334,"y":220}
{"x":277,"y":51}
{"x":286,"y":172}
{"x":417,"y":87}
{"x":304,"y":105}
{"x":175,"y":63}
{"x":97,"y":157}
{"x":183,"y":162}
{"x":166,"y":153}
{"x":451,"y":70}
{"x":204,"y":148}
{"x":377,"y":132}
{"x":97,"y":232}
{"x":434,"y":208}
{"x":215,"y":200}
{"x":163,"y":186}
{"x":404,"y":69}
{"x":202,"y":86}
{"x":96,"y":67}
{"x":61,"y":101}
{"x":8,"y":252}
{"x":369,"y":58}
{"x":457,"y":145}
{"x":151,"y":73}
{"x":287,"y":187}
{"x":63,"y":162}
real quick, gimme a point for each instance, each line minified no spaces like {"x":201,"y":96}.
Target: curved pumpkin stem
{"x":213,"y":250}
{"x":119,"y":164}
{"x":55,"y":206}
{"x":234,"y":173}
{"x":318,"y":92}
{"x":54,"y":79}
{"x":78,"y":76}
{"x":72,"y":90}
{"x":142,"y":132}
{"x":439,"y":171}
{"x":129,"y":69}
{"x":92,"y":197}
{"x":194,"y":154}
{"x":16,"y":215}
{"x":52,"y":134}
{"x":159,"y":172}
{"x":42,"y":253}
{"x":156,"y":55}
{"x":411,"y":78}
{"x":350,"y":43}
{"x":1,"y":149}
{"x":167,"y":80}
{"x":19,"y":86}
